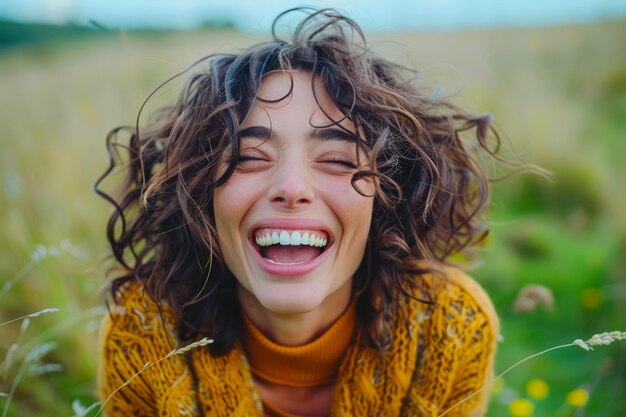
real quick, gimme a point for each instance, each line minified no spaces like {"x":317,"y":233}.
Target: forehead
{"x":293,"y":96}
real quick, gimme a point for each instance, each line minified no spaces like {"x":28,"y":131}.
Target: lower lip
{"x":288,"y":270}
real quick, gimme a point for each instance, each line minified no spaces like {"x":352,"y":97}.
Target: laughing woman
{"x":299,"y":205}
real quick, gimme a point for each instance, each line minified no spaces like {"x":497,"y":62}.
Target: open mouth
{"x":290,"y":247}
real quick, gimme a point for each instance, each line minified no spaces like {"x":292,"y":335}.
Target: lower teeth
{"x":283,"y":263}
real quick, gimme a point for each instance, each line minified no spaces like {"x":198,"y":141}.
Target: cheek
{"x":353,"y":210}
{"x":232,"y":201}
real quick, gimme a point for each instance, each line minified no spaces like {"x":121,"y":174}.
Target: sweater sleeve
{"x":131,"y":336}
{"x":457,"y":349}
{"x":477,"y":327}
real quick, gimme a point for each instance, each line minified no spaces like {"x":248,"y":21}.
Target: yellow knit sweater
{"x":439,"y":356}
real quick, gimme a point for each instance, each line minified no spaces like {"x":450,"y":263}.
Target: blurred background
{"x":553,"y":74}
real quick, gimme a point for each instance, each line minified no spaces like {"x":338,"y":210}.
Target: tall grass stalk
{"x":32,"y":315}
{"x":202,"y":342}
{"x":80,"y":411}
{"x":596,"y":340}
{"x":34,"y":352}
{"x":8,"y":284}
{"x":32,"y":357}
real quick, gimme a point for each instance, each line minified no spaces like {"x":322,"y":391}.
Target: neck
{"x":299,"y":327}
{"x":307,"y":365}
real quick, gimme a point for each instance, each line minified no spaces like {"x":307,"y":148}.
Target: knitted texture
{"x":439,"y":355}
{"x":313,"y":364}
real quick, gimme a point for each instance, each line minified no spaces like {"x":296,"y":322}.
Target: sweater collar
{"x":312,"y":364}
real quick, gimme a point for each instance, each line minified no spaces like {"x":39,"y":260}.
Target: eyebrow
{"x":326,"y":133}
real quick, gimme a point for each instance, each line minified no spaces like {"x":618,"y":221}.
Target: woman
{"x":298,"y":205}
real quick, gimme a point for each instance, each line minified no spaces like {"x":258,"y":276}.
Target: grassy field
{"x":558,"y":94}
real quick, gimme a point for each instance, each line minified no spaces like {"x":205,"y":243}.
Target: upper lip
{"x":292,"y":224}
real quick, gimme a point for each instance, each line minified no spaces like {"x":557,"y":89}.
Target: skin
{"x":296,"y":175}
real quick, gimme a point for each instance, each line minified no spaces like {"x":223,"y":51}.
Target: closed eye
{"x":341,"y":161}
{"x":244,"y":158}
{"x":250,"y":162}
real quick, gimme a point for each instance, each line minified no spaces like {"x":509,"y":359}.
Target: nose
{"x":291,"y":186}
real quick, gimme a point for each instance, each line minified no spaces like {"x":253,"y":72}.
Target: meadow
{"x":554,"y":263}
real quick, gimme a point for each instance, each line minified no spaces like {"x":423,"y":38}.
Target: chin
{"x":290,"y":302}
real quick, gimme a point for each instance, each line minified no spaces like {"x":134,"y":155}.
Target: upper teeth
{"x":295,"y":238}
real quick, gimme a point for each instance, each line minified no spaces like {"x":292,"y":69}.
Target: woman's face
{"x":291,"y":227}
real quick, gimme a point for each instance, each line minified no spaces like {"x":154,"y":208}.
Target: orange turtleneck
{"x":310,"y":365}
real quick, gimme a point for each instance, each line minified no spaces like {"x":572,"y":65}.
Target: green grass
{"x":559,"y":94}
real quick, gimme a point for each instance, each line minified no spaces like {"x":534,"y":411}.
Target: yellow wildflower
{"x":521,"y":407}
{"x":578,"y":397}
{"x":537,"y":389}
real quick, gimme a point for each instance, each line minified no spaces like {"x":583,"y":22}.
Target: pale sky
{"x":373,"y":15}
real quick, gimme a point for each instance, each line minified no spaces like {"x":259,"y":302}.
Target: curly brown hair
{"x":429,"y":193}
